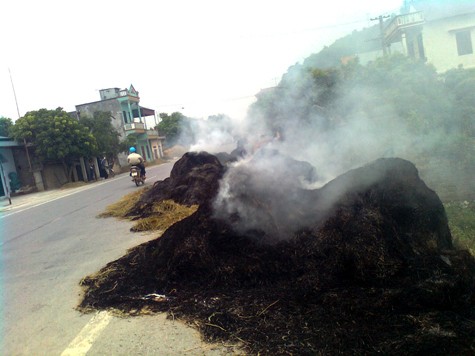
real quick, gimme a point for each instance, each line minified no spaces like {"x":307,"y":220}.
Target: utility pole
{"x":14,"y":93}
{"x":18,"y":112}
{"x":381,"y":31}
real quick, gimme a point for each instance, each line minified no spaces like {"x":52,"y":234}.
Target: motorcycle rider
{"x":135,"y":159}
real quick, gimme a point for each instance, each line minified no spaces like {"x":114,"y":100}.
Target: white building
{"x":439,"y":32}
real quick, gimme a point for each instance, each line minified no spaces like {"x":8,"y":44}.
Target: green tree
{"x":390,"y":88}
{"x":461,"y":83}
{"x":394,"y":105}
{"x":107,"y":137}
{"x":5,"y":126}
{"x":176,"y":128}
{"x":130,"y":140}
{"x":411,"y":89}
{"x":55,"y":136}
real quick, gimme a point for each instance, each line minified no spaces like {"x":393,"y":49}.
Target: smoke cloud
{"x":292,"y":145}
{"x":216,"y":134}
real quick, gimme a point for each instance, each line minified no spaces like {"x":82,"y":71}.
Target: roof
{"x":143,"y":112}
{"x":94,"y":102}
{"x":8,"y":142}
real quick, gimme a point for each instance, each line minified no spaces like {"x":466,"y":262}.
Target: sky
{"x":201,"y":58}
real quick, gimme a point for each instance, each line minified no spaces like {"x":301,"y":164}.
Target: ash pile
{"x":362,"y":265}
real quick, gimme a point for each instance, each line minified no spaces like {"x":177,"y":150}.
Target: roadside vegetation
{"x":163,"y":214}
{"x":55,"y":136}
{"x":391,"y":107}
{"x":461,"y":216}
{"x":120,"y":208}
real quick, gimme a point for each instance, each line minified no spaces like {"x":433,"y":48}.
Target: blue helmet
{"x":132,"y":149}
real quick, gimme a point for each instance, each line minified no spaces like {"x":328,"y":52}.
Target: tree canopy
{"x":5,"y":126}
{"x":130,"y":140}
{"x":106,"y":136}
{"x":461,"y":83}
{"x":55,"y":135}
{"x":395,"y":87}
{"x":394,"y":105}
{"x":176,"y":128}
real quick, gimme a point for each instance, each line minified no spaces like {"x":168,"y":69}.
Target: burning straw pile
{"x":363,"y":265}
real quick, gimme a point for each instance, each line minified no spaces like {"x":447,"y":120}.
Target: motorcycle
{"x":137,"y":178}
{"x":110,"y":171}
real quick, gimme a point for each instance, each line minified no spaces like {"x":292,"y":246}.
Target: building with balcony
{"x":439,"y":32}
{"x":128,"y":117}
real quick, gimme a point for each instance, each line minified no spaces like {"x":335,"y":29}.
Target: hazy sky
{"x":200,"y":57}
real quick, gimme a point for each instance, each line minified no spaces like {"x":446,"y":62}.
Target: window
{"x":464,"y":42}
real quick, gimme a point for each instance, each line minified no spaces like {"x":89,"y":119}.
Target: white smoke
{"x":263,"y":192}
{"x":213,"y":135}
{"x":257,"y":194}
{"x":299,"y":147}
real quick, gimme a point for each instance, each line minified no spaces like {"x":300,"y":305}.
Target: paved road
{"x":47,"y":246}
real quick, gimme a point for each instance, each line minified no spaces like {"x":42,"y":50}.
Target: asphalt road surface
{"x":46,"y":249}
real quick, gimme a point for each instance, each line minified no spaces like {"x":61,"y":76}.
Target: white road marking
{"x":89,"y":333}
{"x":60,"y":196}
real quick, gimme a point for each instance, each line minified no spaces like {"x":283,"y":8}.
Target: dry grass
{"x":461,"y":216}
{"x":98,"y":278}
{"x":73,"y":185}
{"x":165,"y":214}
{"x":123,"y":206}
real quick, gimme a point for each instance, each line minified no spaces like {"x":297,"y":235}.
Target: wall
{"x":8,"y":164}
{"x":365,"y":57}
{"x":157,"y":149}
{"x":440,"y":44}
{"x":53,"y":176}
{"x":109,"y":93}
{"x":22,"y":166}
{"x":111,"y":106}
{"x":122,"y":159}
{"x":141,"y":147}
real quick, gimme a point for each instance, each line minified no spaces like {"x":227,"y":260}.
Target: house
{"x":22,"y":171}
{"x":17,"y":168}
{"x":439,"y":32}
{"x":128,"y":117}
{"x":7,"y":165}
